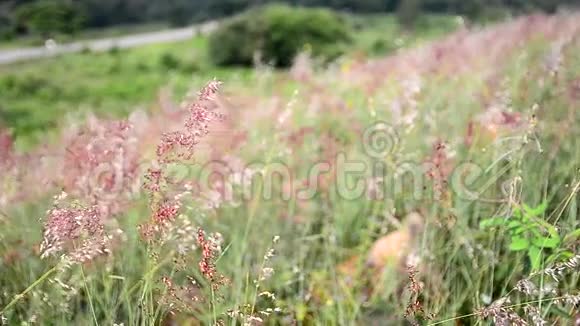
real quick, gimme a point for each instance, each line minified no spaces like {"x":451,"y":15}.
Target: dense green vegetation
{"x":278,"y":34}
{"x":46,"y":17}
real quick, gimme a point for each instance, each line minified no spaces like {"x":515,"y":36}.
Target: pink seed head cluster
{"x":439,"y":167}
{"x":5,"y":146}
{"x":206,"y":264}
{"x":101,"y":164}
{"x":179,"y":145}
{"x":166,"y":212}
{"x":74,"y":231}
{"x":6,"y":166}
{"x":153,"y":180}
{"x":210,"y":247}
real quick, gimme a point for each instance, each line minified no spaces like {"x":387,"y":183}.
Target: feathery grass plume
{"x":25,"y":176}
{"x":555,"y":273}
{"x":101,"y":164}
{"x":573,"y":300}
{"x":439,"y":168}
{"x":211,"y":246}
{"x":302,"y":69}
{"x":6,"y":146}
{"x":501,"y":313}
{"x":414,"y":312}
{"x":557,"y":270}
{"x":181,"y":298}
{"x":6,"y":166}
{"x":404,"y":109}
{"x":534,"y":314}
{"x":186,"y":295}
{"x":177,"y":147}
{"x":74,"y":231}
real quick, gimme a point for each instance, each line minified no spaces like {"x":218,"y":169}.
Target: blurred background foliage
{"x":277,"y":34}
{"x":37,"y":94}
{"x":19,"y":17}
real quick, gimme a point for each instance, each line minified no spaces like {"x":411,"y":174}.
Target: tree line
{"x":68,"y":16}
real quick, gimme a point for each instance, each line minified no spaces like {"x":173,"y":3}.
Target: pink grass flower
{"x":179,"y":145}
{"x":74,"y":231}
{"x":101,"y":164}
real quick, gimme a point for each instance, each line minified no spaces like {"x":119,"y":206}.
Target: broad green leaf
{"x":527,"y":209}
{"x":537,"y":211}
{"x":547,"y":226}
{"x":514,"y":224}
{"x":546,"y":242}
{"x":535,"y":255}
{"x":536,"y":232}
{"x":519,"y":243}
{"x":553,"y":232}
{"x":491,"y":222}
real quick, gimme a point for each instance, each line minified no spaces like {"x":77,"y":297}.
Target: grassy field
{"x":435,"y":185}
{"x":37,"y":95}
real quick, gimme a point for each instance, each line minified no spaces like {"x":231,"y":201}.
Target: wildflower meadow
{"x":436,"y":184}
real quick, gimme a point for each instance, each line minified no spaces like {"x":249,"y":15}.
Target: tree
{"x":47,"y":17}
{"x":7,"y":29}
{"x":278,"y":33}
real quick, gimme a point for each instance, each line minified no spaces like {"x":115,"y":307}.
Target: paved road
{"x":102,"y":45}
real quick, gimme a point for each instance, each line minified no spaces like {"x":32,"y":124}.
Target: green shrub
{"x":191,"y":67}
{"x":23,"y":85}
{"x":278,"y":33}
{"x":383,"y":46}
{"x":168,"y":61}
{"x":6,"y":28}
{"x":114,"y":50}
{"x":178,"y":16}
{"x":48,"y":17}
